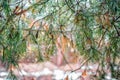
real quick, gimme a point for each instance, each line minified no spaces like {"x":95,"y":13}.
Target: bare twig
{"x":116,"y":30}
{"x":101,"y":38}
{"x":117,"y":18}
{"x":82,"y":64}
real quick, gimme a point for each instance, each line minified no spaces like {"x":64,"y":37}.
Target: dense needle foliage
{"x":93,"y":24}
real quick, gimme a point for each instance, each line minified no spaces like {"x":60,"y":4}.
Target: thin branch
{"x":117,"y":18}
{"x":69,"y":6}
{"x":116,"y":30}
{"x":82,"y":64}
{"x":42,"y":30}
{"x":18,"y":2}
{"x":37,"y":3}
{"x":101,"y":38}
{"x":31,"y":26}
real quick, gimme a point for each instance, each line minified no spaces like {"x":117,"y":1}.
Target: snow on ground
{"x":48,"y":71}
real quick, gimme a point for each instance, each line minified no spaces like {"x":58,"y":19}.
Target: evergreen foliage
{"x":94,"y":25}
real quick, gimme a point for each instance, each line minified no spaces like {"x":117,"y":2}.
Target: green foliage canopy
{"x":95,"y":25}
